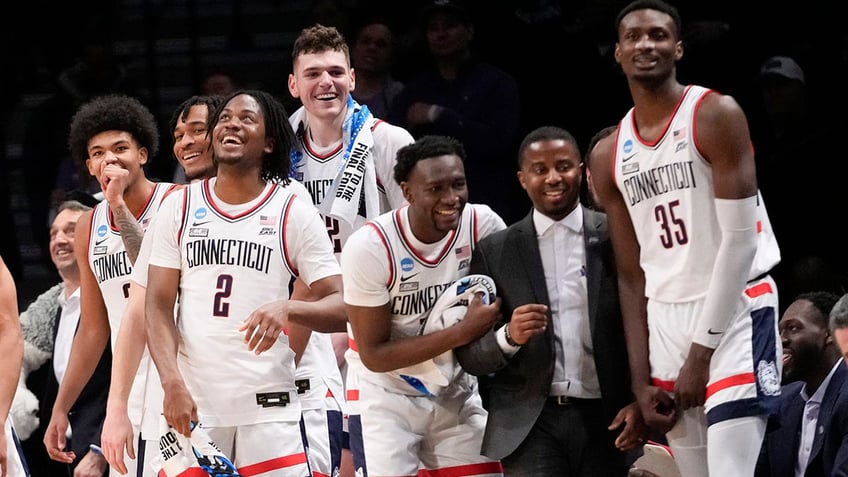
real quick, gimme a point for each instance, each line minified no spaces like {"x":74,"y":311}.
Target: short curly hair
{"x":318,"y":39}
{"x":426,"y":147}
{"x":112,"y":112}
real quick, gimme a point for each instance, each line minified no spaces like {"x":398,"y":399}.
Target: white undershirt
{"x":809,"y":421}
{"x":68,"y":321}
{"x":563,"y":252}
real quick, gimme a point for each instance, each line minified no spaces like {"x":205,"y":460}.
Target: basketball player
{"x":230,"y":246}
{"x":339,"y":143}
{"x":12,"y":348}
{"x":693,"y":247}
{"x":394,"y":268}
{"x":114,"y":136}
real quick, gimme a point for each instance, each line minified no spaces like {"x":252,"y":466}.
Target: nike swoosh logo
{"x":629,"y":157}
{"x":403,"y":279}
{"x":200,"y":223}
{"x":101,"y":241}
{"x":711,"y":332}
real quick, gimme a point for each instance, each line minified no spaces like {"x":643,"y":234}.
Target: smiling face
{"x":804,"y":333}
{"x":117,"y":148}
{"x":62,"y":241}
{"x":551,"y":173}
{"x":239,"y":135}
{"x":322,"y":82}
{"x":192,"y":146}
{"x":648,"y":45}
{"x":437,"y":192}
{"x":372,"y":50}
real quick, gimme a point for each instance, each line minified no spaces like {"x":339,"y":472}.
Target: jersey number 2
{"x":220,"y":307}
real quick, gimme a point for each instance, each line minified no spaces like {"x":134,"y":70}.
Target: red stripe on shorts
{"x":273,"y":464}
{"x":667,"y":386}
{"x":729,"y":382}
{"x":758,"y":290}
{"x":482,"y":468}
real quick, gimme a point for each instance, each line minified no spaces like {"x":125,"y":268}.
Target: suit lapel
{"x":530,"y":259}
{"x":592,"y":240}
{"x":831,"y":397}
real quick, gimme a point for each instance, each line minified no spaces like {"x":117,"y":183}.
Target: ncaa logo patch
{"x":200,"y":213}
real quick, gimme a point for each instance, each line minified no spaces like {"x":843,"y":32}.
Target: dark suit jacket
{"x":829,"y":455}
{"x":86,"y":415}
{"x":516,"y":391}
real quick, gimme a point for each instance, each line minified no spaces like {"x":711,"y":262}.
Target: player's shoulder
{"x":388,"y":133}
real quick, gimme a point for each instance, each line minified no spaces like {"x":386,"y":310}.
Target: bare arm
{"x":131,"y":231}
{"x":12,"y":349}
{"x":90,"y":341}
{"x":657,"y":407}
{"x":163,"y":343}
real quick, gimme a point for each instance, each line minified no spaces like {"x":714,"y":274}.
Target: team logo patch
{"x":631,"y":168}
{"x":408,"y":287}
{"x":198,"y":232}
{"x":101,"y":250}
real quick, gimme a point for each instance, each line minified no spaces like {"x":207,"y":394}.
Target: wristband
{"x":508,"y":337}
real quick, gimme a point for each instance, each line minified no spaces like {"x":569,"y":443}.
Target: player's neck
{"x":325,"y":131}
{"x":238,"y":186}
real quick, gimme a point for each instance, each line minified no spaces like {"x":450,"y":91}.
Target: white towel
{"x":357,"y":175}
{"x":433,"y":375}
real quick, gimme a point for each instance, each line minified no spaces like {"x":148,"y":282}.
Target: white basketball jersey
{"x":111,"y":266}
{"x":415,"y":276}
{"x":234,"y":259}
{"x":318,"y":170}
{"x":667,"y":186}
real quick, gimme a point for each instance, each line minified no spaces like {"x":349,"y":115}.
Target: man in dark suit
{"x":812,"y":436}
{"x":554,"y":376}
{"x":49,"y":325}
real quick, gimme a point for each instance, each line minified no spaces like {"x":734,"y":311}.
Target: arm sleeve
{"x":737,"y":219}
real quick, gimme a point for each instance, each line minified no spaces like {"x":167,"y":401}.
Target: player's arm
{"x":723,"y":139}
{"x":117,"y":431}
{"x":631,"y":280}
{"x":90,"y":341}
{"x":12,"y":350}
{"x":163,"y":343}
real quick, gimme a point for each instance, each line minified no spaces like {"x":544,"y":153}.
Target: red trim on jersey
{"x":695,"y":127}
{"x":388,"y":252}
{"x":283,"y":241}
{"x":729,"y":382}
{"x":319,"y":157}
{"x":667,"y":386}
{"x":207,"y":193}
{"x":615,"y":153}
{"x":758,"y":290}
{"x":351,"y":343}
{"x":273,"y":464}
{"x":144,"y":209}
{"x":465,"y":470}
{"x":352,"y":395}
{"x":660,"y":136}
{"x":184,"y":220}
{"x":190,"y":472}
{"x":418,"y":256}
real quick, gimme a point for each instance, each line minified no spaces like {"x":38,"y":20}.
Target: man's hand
{"x":113,"y":182}
{"x":117,"y":435}
{"x":480,"y":317}
{"x":690,"y":389}
{"x":264,"y":326}
{"x":527,"y":321}
{"x":91,"y":465}
{"x":634,"y":432}
{"x":54,"y":438}
{"x":179,"y":407}
{"x":658,"y":408}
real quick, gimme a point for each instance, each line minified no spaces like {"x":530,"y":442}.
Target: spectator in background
{"x":472,"y":101}
{"x":372,"y":57}
{"x":588,"y":195}
{"x":839,"y":325}
{"x":812,"y":438}
{"x":218,"y":82}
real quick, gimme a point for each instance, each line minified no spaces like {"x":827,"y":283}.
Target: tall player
{"x":114,"y":136}
{"x":693,"y":248}
{"x":394,"y":268}
{"x":344,"y":156}
{"x":230,"y":246}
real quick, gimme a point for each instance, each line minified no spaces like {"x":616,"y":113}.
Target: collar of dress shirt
{"x":573,"y":221}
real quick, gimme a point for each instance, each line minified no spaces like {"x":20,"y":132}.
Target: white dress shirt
{"x":809,"y":421}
